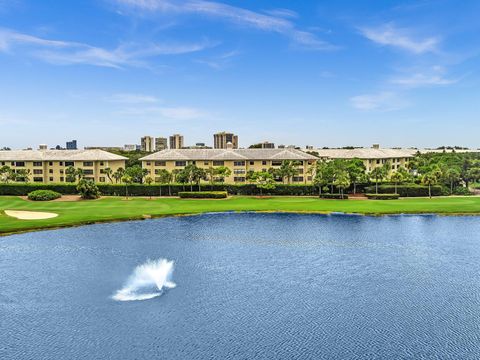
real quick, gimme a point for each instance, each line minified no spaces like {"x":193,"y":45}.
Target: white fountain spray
{"x":147,"y":281}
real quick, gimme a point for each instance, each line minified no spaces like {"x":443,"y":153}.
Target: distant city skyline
{"x":350,"y":73}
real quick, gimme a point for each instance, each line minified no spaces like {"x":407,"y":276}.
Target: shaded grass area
{"x":117,"y":209}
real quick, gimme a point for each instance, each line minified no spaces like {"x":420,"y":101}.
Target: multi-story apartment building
{"x":239,"y":161}
{"x":221,"y":139}
{"x":147,"y":143}
{"x":263,"y":145}
{"x":71,"y":145}
{"x":371,"y":157}
{"x":161,"y":143}
{"x":48,"y":166}
{"x":176,"y":141}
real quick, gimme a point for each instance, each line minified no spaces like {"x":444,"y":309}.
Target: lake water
{"x":248,"y":286}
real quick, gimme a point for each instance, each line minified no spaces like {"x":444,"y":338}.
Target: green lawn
{"x":114,"y":208}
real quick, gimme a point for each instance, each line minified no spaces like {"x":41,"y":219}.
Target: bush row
{"x":232,"y":189}
{"x":159,"y":190}
{"x":43,"y":195}
{"x":203,"y":194}
{"x":411,"y":190}
{"x":382,"y":196}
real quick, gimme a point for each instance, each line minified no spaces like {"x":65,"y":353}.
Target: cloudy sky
{"x":324,"y":73}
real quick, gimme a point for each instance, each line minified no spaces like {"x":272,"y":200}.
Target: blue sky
{"x":323,"y":73}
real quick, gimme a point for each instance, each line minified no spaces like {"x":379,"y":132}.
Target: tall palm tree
{"x":396,"y":177}
{"x":429,"y":179}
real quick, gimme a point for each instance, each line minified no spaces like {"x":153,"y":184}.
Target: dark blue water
{"x":249,"y":286}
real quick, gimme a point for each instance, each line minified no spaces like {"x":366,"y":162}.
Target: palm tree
{"x":453,"y":176}
{"x":429,"y":179}
{"x":378,"y":174}
{"x":396,"y":177}
{"x":127,"y":180}
{"x":117,"y":175}
{"x":287,"y":170}
{"x":342,"y":181}
{"x":108,"y":172}
{"x":164,"y":177}
{"x":320,"y":175}
{"x":149,"y":181}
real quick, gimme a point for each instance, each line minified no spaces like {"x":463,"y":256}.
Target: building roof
{"x":58,"y":155}
{"x":229,"y":154}
{"x":365,"y":153}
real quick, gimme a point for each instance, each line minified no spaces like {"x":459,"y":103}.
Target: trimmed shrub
{"x":43,"y":195}
{"x":203,"y":195}
{"x":334,"y":196}
{"x":88,"y":190}
{"x":382,"y":196}
{"x":410,"y":190}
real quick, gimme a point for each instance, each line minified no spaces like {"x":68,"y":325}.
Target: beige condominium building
{"x":222,"y":140}
{"x":176,"y":141}
{"x":372,"y":157}
{"x":161,"y":143}
{"x":147,"y":143}
{"x":239,"y":161}
{"x":48,"y":166}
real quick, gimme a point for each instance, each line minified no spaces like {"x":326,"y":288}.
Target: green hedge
{"x":157,"y":190}
{"x":203,"y":194}
{"x":43,"y":195}
{"x":25,"y":189}
{"x":382,"y":196}
{"x":334,"y":196}
{"x":411,"y":190}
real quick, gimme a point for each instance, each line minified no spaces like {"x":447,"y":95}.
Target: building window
{"x":239,"y":179}
{"x":239,"y":163}
{"x":218,"y":163}
{"x":239,"y":171}
{"x":69,"y":163}
{"x":252,"y":163}
{"x":101,"y":179}
{"x":50,"y":163}
{"x":160,"y":163}
{"x":3,"y":163}
{"x":37,"y":163}
{"x":297,"y":178}
{"x":89,"y":178}
{"x":276,"y":163}
{"x":50,"y":171}
{"x":38,"y":179}
{"x":101,"y":163}
{"x":51,"y":178}
{"x":148,"y":163}
{"x":378,"y":161}
{"x":205,"y":163}
{"x":20,"y":163}
{"x":37,"y":171}
{"x":264,"y":162}
{"x":180,"y":163}
{"x":61,"y":178}
{"x":88,"y":172}
{"x":60,"y":163}
{"x":88,"y":163}
{"x":61,"y":171}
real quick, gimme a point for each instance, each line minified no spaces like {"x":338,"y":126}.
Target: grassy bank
{"x":114,"y":208}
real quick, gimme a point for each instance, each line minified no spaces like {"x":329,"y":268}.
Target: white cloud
{"x":382,"y":101}
{"x":389,"y":35}
{"x":67,"y":53}
{"x":274,"y":22}
{"x":430,"y":77}
{"x":126,"y":98}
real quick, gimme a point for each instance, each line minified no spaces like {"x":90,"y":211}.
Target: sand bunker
{"x":30,"y":215}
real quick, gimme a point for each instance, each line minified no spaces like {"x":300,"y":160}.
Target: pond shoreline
{"x":172,"y":215}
